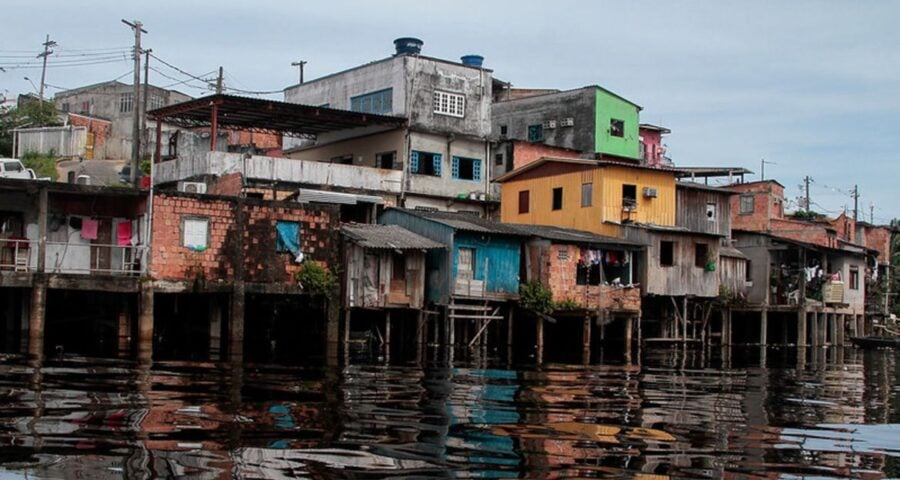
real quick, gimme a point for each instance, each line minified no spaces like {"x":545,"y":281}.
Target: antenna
{"x":762,"y":168}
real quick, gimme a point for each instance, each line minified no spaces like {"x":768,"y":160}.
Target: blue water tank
{"x":472,"y":60}
{"x":408,"y":46}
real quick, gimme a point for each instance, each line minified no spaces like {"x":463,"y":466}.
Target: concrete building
{"x":591,"y":120}
{"x":443,"y":150}
{"x":114,"y":101}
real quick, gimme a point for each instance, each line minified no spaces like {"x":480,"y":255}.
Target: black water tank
{"x":408,"y":46}
{"x":472,"y":60}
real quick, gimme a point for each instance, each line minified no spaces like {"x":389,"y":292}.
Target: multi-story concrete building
{"x":443,"y":150}
{"x":114,"y":101}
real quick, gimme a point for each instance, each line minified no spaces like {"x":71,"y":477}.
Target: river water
{"x":772,"y":413}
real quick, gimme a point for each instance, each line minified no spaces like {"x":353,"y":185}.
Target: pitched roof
{"x":392,"y":237}
{"x":579,"y":161}
{"x":701,"y":186}
{"x":571,"y":235}
{"x":466,"y":222}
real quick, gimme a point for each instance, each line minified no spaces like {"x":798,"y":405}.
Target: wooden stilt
{"x":540,"y":341}
{"x":629,"y":326}
{"x":347,"y":318}
{"x":586,"y":340}
{"x":387,"y":335}
{"x":763,"y":327}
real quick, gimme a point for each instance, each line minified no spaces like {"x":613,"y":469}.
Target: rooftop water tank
{"x":472,"y":60}
{"x":408,"y":46}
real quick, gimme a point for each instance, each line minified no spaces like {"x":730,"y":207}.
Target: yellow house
{"x":593,"y":195}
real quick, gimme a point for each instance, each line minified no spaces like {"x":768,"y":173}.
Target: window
{"x":195,"y":233}
{"x":503,"y":130}
{"x":85,"y":107}
{"x":629,"y":197}
{"x":587,"y":191}
{"x":746,"y":204}
{"x":535,"y":133}
{"x":524,"y":201}
{"x":465,"y":266}
{"x":498,"y":159}
{"x":616,"y":128}
{"x":711,"y":212}
{"x":65,"y":107}
{"x":126,"y":103}
{"x":642,"y":150}
{"x":666,"y":253}
{"x":452,"y":104}
{"x":425,"y":163}
{"x":557,"y":198}
{"x":343,"y":159}
{"x":385,"y":159}
{"x":748,"y":273}
{"x":701,"y":254}
{"x":466,"y":168}
{"x":287,"y":237}
{"x":398,"y":266}
{"x":157,"y":101}
{"x":380,"y":102}
{"x":854,"y":278}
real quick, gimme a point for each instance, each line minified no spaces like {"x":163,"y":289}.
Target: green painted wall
{"x":608,"y":107}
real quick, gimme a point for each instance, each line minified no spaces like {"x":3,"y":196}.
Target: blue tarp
{"x":288,"y":237}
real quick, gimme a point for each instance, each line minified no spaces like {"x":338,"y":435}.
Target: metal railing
{"x":15,"y":254}
{"x":95,"y":258}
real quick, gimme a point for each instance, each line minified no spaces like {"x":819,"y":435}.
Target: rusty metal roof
{"x":467,"y":222}
{"x":393,"y":237}
{"x":571,"y":235}
{"x":267,"y":116}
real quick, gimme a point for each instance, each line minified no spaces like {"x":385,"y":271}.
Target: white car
{"x":12,"y":168}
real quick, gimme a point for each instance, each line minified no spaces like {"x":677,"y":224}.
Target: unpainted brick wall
{"x":171,"y":260}
{"x":561,"y":277}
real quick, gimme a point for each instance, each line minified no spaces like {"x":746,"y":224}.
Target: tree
{"x":34,"y":113}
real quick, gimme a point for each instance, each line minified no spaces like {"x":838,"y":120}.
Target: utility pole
{"x":144,"y":135}
{"x":219,"y":86}
{"x":137,"y":26}
{"x":806,"y":181}
{"x":47,"y":52}
{"x":872,"y":213}
{"x":855,"y":203}
{"x":300,"y":64}
{"x":762,"y":168}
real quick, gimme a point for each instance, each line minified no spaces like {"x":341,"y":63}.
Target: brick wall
{"x":172,"y":261}
{"x":229,"y":185}
{"x":768,"y":203}
{"x":559,"y":272}
{"x":527,"y":152}
{"x":879,"y":238}
{"x":817,"y":234}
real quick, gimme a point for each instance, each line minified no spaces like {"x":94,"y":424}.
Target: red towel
{"x":89,"y":229}
{"x":123,"y":233}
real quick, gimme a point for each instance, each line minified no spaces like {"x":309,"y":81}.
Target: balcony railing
{"x":20,"y":255}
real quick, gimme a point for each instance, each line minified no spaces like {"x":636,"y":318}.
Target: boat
{"x":876,"y":341}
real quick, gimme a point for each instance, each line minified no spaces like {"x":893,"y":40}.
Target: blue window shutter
{"x":455,"y":167}
{"x":476,"y":170}
{"x":438,"y":159}
{"x":414,"y":162}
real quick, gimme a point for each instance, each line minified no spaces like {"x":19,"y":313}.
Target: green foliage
{"x":43,"y":165}
{"x":567,"y":305}
{"x":536,"y":298}
{"x":316,"y":279}
{"x":32,"y":114}
{"x":145,"y":166}
{"x":804,"y":215}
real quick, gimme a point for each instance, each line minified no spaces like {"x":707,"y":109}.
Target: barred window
{"x":156,"y":101}
{"x":126,"y":103}
{"x":449,"y":104}
{"x":380,"y":102}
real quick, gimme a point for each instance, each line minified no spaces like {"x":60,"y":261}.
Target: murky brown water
{"x":834,"y":414}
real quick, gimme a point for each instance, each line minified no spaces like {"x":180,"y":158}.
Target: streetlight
{"x":33,"y":86}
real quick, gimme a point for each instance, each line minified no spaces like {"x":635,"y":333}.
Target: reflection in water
{"x":675,"y":415}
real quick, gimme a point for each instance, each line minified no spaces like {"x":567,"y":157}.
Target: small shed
{"x":384,"y":266}
{"x":483,"y":259}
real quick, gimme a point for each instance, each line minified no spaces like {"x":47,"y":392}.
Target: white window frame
{"x":126,"y":103}
{"x":195,"y":230}
{"x":451,"y":104}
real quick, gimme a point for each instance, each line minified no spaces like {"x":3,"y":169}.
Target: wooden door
{"x":100,"y":248}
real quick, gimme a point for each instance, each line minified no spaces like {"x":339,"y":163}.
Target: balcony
{"x":20,"y":255}
{"x":275,"y":169}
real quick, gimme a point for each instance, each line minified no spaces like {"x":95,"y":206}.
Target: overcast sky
{"x":812,"y":86}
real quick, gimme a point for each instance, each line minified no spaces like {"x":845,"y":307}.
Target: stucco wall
{"x":516,"y":115}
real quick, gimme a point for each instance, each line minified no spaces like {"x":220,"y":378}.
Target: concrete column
{"x":332,"y":330}
{"x":539,"y":355}
{"x":124,"y":324}
{"x":215,"y":330}
{"x":36,"y":317}
{"x":629,"y":327}
{"x":145,"y":322}
{"x":586,"y":340}
{"x":236,"y":324}
{"x":801,"y":327}
{"x":763,"y":327}
{"x":841,"y":328}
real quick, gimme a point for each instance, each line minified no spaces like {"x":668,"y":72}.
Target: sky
{"x":813,"y":88}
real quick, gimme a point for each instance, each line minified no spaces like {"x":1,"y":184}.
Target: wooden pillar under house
{"x":586,"y":340}
{"x":539,"y":354}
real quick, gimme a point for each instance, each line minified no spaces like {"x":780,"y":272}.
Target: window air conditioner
{"x":192,"y":187}
{"x":550,"y":124}
{"x":567,"y":122}
{"x":650,"y":192}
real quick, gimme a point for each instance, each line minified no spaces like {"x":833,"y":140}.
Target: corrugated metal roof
{"x":393,"y":237}
{"x":570,"y":235}
{"x":467,"y":222}
{"x":306,"y":195}
{"x":731,"y":252}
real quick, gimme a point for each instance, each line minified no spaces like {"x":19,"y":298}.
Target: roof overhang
{"x":267,"y":116}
